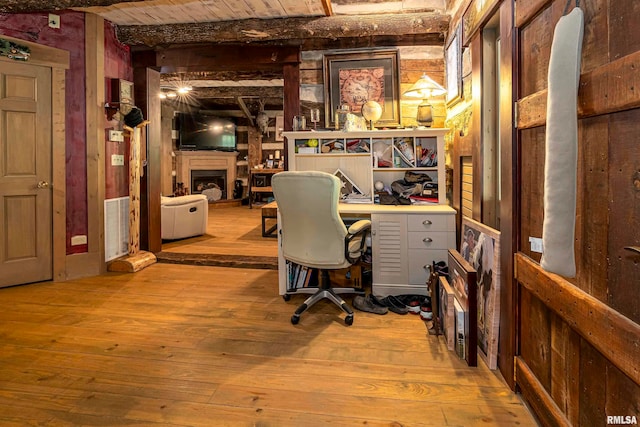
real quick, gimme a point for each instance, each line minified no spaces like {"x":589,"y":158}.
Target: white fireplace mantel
{"x":186,"y":161}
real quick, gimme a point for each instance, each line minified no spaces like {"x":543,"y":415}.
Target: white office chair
{"x":313,"y":234}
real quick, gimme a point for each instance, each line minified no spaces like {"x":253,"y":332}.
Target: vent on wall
{"x":116,"y":227}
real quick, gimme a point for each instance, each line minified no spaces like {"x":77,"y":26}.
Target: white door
{"x":25,"y":173}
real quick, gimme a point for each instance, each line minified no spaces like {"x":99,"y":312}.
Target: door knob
{"x":43,"y":184}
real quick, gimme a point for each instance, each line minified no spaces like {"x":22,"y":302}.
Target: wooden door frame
{"x":58,"y":61}
{"x":148,"y":63}
{"x":471,"y":145}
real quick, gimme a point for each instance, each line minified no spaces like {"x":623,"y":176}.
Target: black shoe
{"x":377,"y":301}
{"x":364,"y":303}
{"x":394,"y":304}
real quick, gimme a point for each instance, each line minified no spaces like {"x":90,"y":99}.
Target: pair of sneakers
{"x":418,"y":304}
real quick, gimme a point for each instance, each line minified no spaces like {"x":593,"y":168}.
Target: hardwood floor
{"x":183,"y":345}
{"x":233,"y":238}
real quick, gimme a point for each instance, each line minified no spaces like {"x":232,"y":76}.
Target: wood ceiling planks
{"x":155,"y":12}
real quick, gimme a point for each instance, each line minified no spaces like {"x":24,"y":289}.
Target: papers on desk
{"x":356,"y":198}
{"x":423,"y":200}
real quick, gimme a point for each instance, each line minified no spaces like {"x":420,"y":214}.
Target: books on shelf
{"x":300,"y":276}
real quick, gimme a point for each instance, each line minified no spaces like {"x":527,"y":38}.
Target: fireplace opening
{"x":202,"y":180}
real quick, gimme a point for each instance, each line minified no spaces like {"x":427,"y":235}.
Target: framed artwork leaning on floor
{"x":462,"y":278}
{"x":480,"y":246}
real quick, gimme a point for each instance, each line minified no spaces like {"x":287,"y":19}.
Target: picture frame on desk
{"x":355,"y":77}
{"x":348,"y":186}
{"x":269,"y":163}
{"x":463,"y":282}
{"x":480,"y":246}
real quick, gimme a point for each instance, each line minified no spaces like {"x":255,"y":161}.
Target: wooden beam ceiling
{"x":27,"y":6}
{"x":428,"y":28}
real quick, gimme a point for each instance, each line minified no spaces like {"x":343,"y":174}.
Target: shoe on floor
{"x":394,"y":304}
{"x":426,"y":313}
{"x":365,"y":303}
{"x":414,"y":302}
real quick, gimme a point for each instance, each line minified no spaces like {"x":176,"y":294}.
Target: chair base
{"x":332,"y":294}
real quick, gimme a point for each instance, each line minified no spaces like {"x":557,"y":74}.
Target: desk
{"x":405,"y":240}
{"x":260,"y":187}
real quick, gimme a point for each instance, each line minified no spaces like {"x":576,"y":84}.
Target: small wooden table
{"x":265,"y":187}
{"x":269,"y":211}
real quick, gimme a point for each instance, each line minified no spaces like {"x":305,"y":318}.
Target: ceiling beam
{"x":237,"y":91}
{"x":226,"y":58}
{"x":428,"y":26}
{"x":235,"y":75}
{"x":245,"y":109}
{"x":26,"y":6}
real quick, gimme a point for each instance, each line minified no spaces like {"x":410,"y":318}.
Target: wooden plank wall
{"x":569,"y":368}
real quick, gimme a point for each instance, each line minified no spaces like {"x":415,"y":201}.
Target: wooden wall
{"x":579,"y":355}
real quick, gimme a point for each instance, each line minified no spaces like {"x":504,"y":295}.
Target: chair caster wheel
{"x":295,"y":319}
{"x":286,"y":297}
{"x":348,"y":320}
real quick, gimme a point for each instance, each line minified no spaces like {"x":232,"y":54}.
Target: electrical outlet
{"x":54,"y":21}
{"x":536,"y":244}
{"x":117,"y":160}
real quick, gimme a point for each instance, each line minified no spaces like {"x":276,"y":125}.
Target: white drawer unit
{"x":405,"y":239}
{"x":405,"y":245}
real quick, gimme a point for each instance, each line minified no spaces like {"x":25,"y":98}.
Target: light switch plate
{"x":117,"y":160}
{"x":536,"y":244}
{"x":116,"y":136}
{"x":54,"y":21}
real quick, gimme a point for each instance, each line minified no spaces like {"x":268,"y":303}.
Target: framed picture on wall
{"x":279,"y":128}
{"x":122,"y":91}
{"x":480,"y":247}
{"x":453,"y":62}
{"x":353,"y":78}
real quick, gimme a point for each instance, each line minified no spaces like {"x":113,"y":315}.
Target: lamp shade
{"x":424,"y":88}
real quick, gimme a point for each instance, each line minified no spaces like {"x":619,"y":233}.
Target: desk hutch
{"x":405,"y":239}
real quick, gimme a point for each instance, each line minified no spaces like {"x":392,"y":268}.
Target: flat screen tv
{"x":200,"y":132}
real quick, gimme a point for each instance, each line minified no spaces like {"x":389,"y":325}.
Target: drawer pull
{"x":427,"y":222}
{"x":427,"y":240}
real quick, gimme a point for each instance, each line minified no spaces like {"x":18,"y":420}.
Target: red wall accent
{"x":70,"y":37}
{"x":117,"y":65}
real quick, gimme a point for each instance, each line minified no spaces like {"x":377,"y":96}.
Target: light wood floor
{"x":231,"y":230}
{"x":182,"y":345}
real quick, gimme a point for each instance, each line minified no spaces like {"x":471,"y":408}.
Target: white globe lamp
{"x":371,"y":111}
